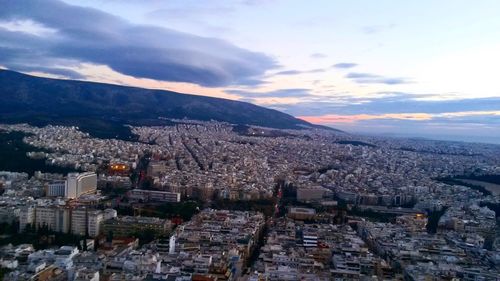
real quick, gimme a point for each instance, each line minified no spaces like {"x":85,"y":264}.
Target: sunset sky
{"x":403,"y":68}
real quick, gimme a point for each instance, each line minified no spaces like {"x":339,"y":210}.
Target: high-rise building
{"x":80,"y":183}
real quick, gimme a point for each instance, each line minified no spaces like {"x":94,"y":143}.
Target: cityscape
{"x":204,"y":201}
{"x":249,"y":141}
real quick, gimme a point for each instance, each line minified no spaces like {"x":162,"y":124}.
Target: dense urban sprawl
{"x":336,"y":206}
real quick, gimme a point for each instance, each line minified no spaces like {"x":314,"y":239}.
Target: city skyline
{"x":378,"y":68}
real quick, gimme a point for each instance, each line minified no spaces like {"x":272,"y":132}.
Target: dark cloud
{"x":368,"y":78}
{"x":318,"y":56}
{"x":344,"y":65}
{"x":86,"y":35}
{"x":283,"y":93}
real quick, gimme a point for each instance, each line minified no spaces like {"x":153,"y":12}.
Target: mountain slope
{"x":41,"y":101}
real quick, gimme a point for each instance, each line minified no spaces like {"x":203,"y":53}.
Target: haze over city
{"x":413,"y":69}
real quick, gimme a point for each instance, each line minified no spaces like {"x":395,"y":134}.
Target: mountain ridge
{"x":95,"y":106}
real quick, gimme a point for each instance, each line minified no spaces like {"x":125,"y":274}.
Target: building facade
{"x":154,"y":195}
{"x":56,"y":189}
{"x":80,"y":183}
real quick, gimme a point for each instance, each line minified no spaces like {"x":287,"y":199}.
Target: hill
{"x":103,"y":109}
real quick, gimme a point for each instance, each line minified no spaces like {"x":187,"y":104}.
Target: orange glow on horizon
{"x":336,"y":118}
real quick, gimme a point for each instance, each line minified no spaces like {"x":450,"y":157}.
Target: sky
{"x":400,"y":68}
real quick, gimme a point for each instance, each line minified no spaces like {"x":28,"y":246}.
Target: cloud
{"x":297,"y":72}
{"x":57,"y":72}
{"x":27,"y":26}
{"x":335,"y":118}
{"x":357,"y":75}
{"x":368,"y":78}
{"x":452,"y":116}
{"x":438,"y":123}
{"x":288,"y":72}
{"x":282,"y":93}
{"x":86,"y":35}
{"x":318,"y":56}
{"x":386,"y":103}
{"x":344,"y":65}
{"x":381,"y":80}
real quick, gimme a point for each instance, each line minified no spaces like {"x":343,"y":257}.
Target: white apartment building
{"x":79,"y":221}
{"x":55,"y":218}
{"x":80,"y":183}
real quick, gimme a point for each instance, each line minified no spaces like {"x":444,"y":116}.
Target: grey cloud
{"x":282,"y":93}
{"x":361,"y":75}
{"x":387,"y":81}
{"x":368,"y":78}
{"x":288,"y":72}
{"x":388,"y":102}
{"x":296,"y":72}
{"x":91,"y":36}
{"x":318,"y":56}
{"x":344,"y":65}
